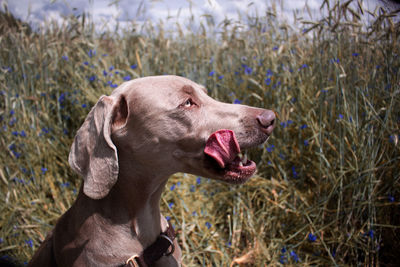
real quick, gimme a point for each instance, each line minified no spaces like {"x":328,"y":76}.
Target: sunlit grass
{"x":327,"y":188}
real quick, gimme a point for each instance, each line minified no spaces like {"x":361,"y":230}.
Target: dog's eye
{"x":188,"y":103}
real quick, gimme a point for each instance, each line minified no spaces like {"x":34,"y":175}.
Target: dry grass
{"x":327,"y":189}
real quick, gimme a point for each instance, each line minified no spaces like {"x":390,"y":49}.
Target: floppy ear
{"x":93,"y":154}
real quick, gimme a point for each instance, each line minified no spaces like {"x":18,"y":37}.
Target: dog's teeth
{"x":244,"y":158}
{"x":240,"y":155}
{"x":241,"y":164}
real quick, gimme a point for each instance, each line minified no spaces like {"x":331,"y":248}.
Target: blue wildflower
{"x":208,"y":225}
{"x":92,"y":78}
{"x":275,"y":48}
{"x":111,"y":68}
{"x":127,"y":78}
{"x":44,"y":170}
{"x":65,"y":58}
{"x":192,"y":188}
{"x":194,"y":213}
{"x":283,"y":250}
{"x":247,"y":70}
{"x":211,"y":73}
{"x":198,"y":180}
{"x":105,"y":73}
{"x":295,"y":174}
{"x":268,"y":81}
{"x":29,"y":242}
{"x":61,"y":98}
{"x":220,"y":77}
{"x":84,"y":105}
{"x":311,"y":237}
{"x":134,"y":66}
{"x":172,"y":187}
{"x":168,"y":218}
{"x":170,"y":205}
{"x":237,"y":101}
{"x":283,"y":259}
{"x":294,"y":256}
{"x":306,"y":143}
{"x":15,"y":133}
{"x":391,"y":198}
{"x":270,"y":148}
{"x":340,"y":116}
{"x":12,"y":112}
{"x":114,"y":85}
{"x":85,"y":63}
{"x":65,"y":185}
{"x":303,"y":66}
{"x":116,"y":72}
{"x":45,"y":130}
{"x":92,"y":53}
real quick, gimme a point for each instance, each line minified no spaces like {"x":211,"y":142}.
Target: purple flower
{"x":247,"y":70}
{"x":391,"y":198}
{"x":127,"y":78}
{"x":44,"y":170}
{"x":211,"y":73}
{"x":306,"y":142}
{"x":311,"y":237}
{"x":170,"y":205}
{"x":302,"y":127}
{"x":295,"y":174}
{"x":65,"y":58}
{"x":29,"y":242}
{"x":208,"y":225}
{"x":198,"y":180}
{"x":84,"y":105}
{"x":237,"y":101}
{"x":267,"y":81}
{"x":22,"y":133}
{"x":294,"y":256}
{"x":134,"y":66}
{"x":111,"y":68}
{"x":92,"y":78}
{"x":105,"y":73}
{"x":91,"y":53}
{"x":85,"y":63}
{"x":270,"y":148}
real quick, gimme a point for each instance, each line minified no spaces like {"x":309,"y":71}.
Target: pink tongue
{"x":222,"y":146}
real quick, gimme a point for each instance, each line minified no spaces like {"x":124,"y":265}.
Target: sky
{"x":106,"y":13}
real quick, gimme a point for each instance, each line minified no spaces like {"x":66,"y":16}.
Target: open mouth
{"x":223,"y":149}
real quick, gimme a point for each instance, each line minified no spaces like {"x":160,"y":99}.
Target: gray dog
{"x":128,"y":146}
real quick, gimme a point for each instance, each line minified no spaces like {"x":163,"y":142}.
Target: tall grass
{"x":327,"y":188}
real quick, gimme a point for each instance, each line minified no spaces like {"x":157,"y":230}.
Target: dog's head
{"x":166,"y":124}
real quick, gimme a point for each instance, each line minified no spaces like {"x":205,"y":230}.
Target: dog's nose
{"x":267,"y":119}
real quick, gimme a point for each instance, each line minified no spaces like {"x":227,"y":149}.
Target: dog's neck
{"x":133,"y":204}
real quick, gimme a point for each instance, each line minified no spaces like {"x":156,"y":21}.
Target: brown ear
{"x":93,"y":154}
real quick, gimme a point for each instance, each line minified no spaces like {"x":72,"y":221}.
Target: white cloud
{"x":125,"y":11}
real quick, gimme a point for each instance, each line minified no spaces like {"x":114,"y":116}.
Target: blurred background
{"x":326,"y":192}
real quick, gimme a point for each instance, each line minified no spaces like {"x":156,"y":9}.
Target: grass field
{"x":327,"y":189}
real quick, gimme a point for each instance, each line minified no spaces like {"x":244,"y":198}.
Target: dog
{"x":128,"y":146}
